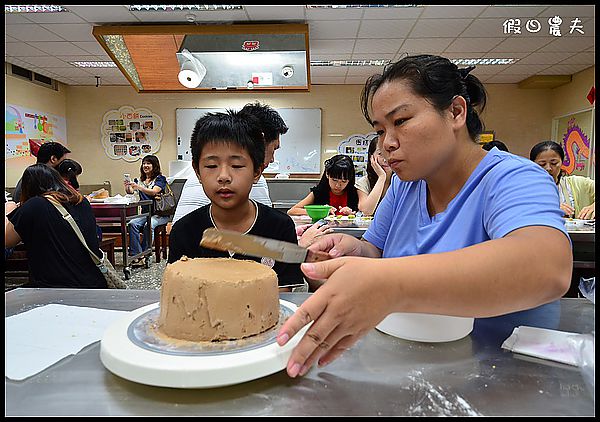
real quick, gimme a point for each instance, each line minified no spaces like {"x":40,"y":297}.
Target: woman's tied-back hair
{"x":545,"y":146}
{"x":152,"y":159}
{"x":230,"y":127}
{"x":69,"y":169}
{"x":41,"y":179}
{"x":436,"y":79}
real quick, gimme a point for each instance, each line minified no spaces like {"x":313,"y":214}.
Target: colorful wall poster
{"x":575,"y":133}
{"x":131,"y":133}
{"x":26,"y":129}
{"x":357,"y":147}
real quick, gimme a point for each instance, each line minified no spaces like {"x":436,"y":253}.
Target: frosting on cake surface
{"x":207,"y":299}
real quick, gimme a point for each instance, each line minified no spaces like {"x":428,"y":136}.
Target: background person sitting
{"x":577,"y":193}
{"x":373,"y":185}
{"x":151,"y":183}
{"x":336,"y":188}
{"x":69,"y":170}
{"x":56,"y":257}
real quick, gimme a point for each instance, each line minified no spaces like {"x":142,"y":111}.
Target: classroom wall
{"x":520,"y":117}
{"x":27,"y":94}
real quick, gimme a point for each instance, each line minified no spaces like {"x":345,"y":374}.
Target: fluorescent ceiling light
{"x":380,"y":62}
{"x":471,"y":62}
{"x":176,"y":8}
{"x":94,"y":64}
{"x":33,"y":9}
{"x":357,"y":6}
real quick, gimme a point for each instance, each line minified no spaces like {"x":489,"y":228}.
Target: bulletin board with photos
{"x":357,"y":148}
{"x":131,"y":133}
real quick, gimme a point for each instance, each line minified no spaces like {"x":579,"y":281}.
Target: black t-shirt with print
{"x":185,"y":236}
{"x":56,"y":257}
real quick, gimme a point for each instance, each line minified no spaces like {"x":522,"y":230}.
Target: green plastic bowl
{"x":317,"y":212}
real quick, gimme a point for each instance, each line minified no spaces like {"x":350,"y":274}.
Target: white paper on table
{"x":40,"y":337}
{"x":542,"y":343}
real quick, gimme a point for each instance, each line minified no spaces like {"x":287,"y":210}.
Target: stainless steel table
{"x":380,"y":375}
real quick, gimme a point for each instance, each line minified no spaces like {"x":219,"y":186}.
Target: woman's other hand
{"x":377,"y":167}
{"x":311,"y":232}
{"x":567,"y":209}
{"x":588,"y":213}
{"x":337,"y":311}
{"x":345,"y":211}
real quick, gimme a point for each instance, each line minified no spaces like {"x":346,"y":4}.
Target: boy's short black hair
{"x":229,"y":127}
{"x":271,"y":122}
{"x":49,"y":149}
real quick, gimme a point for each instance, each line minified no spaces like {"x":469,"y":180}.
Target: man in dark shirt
{"x":50,"y":153}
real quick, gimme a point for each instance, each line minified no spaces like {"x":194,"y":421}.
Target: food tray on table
{"x":349,"y":220}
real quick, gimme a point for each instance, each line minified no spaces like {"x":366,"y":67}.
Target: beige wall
{"x":520,"y":117}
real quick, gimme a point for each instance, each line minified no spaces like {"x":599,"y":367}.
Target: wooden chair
{"x":160,"y":241}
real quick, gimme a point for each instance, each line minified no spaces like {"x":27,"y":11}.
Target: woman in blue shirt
{"x":465,"y":232}
{"x":151,"y":183}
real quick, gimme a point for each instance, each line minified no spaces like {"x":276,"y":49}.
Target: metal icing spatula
{"x":247,"y":244}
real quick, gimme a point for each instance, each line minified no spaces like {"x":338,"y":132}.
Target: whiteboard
{"x":300,"y":147}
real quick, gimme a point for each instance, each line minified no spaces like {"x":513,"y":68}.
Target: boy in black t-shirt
{"x":228,"y":151}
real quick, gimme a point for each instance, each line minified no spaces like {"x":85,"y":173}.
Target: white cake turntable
{"x":132,"y":349}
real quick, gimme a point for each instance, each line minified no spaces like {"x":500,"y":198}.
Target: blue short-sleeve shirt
{"x":505,"y":192}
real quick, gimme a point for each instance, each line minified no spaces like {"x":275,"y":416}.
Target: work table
{"x":380,"y":375}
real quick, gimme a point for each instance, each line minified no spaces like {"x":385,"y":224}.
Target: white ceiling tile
{"x":30,"y":32}
{"x":333,"y":14}
{"x":393,"y":12}
{"x":524,"y":69}
{"x":74,"y":72}
{"x":492,"y":27}
{"x":103,"y":14}
{"x":378,"y":46}
{"x":72,"y":31}
{"x":15,"y":19}
{"x":64,"y":48}
{"x":385,"y":28}
{"x":200,"y":16}
{"x":10,"y":39}
{"x":571,"y":11}
{"x":105,"y":71}
{"x":431,"y":28}
{"x":372,"y":56}
{"x":347,"y":56}
{"x":481,"y":70}
{"x":269,"y":13}
{"x":425,"y":45}
{"x":332,"y":46}
{"x":81,"y":58}
{"x":513,"y":11}
{"x":587,"y":58}
{"x":478,"y":45}
{"x":364,"y":70}
{"x":525,"y":44}
{"x":505,"y":55}
{"x":92,"y":47}
{"x":450,"y":55}
{"x":328,"y":71}
{"x":356,"y":80}
{"x":564,"y":69}
{"x":506,"y":79}
{"x":328,"y":80}
{"x":331,"y":30}
{"x":569,"y":44}
{"x":462,"y":11}
{"x":545,"y":58}
{"x":20,"y":49}
{"x":66,"y":17}
{"x":47,"y":61}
